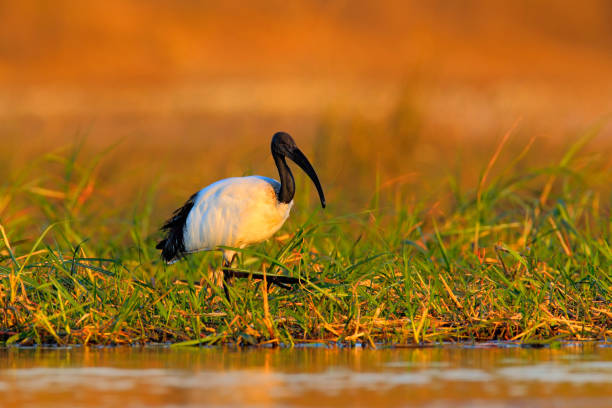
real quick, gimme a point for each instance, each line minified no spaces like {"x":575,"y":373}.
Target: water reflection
{"x":431,"y":377}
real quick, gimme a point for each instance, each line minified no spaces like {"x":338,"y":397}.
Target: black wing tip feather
{"x":173,"y":245}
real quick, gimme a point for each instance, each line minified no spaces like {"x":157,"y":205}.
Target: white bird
{"x":238,"y":211}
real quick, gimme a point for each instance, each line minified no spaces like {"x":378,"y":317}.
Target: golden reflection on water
{"x":427,"y":377}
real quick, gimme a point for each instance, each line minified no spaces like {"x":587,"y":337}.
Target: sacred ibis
{"x":237,"y":211}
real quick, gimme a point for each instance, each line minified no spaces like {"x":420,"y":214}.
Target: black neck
{"x":287,"y":188}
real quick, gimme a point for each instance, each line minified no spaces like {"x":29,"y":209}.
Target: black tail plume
{"x":173,"y":246}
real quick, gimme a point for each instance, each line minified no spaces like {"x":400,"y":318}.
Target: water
{"x":576,"y":375}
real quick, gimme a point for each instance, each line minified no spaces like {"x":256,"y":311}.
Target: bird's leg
{"x":279,"y":284}
{"x":229,"y":274}
{"x":226,"y":278}
{"x":228,"y":259}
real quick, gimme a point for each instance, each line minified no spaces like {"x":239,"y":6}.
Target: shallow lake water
{"x":493,"y":375}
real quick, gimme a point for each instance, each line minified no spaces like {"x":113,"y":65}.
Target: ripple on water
{"x":107,"y":378}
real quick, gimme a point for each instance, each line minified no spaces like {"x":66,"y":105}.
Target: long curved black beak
{"x":298,"y":157}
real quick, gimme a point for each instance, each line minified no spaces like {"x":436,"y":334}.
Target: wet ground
{"x":493,"y":375}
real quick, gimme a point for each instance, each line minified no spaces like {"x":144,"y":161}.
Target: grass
{"x":522,"y":253}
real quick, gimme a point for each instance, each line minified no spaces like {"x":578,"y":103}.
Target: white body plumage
{"x":235,"y":212}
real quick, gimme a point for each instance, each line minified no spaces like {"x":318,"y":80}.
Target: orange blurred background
{"x":188,"y":84}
